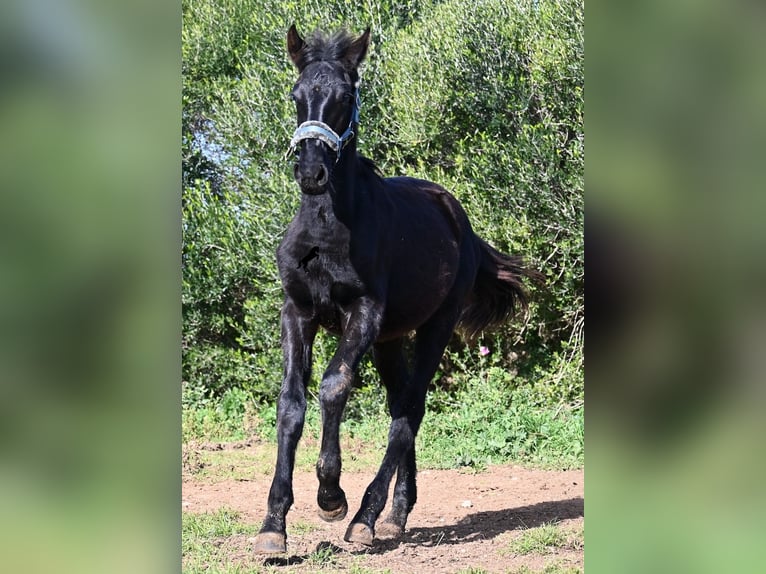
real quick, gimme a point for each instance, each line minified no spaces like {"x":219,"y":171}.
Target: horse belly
{"x":416,"y":292}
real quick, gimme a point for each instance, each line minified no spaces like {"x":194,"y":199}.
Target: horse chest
{"x":320,"y":280}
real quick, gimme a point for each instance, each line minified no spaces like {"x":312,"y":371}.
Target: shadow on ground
{"x":485,"y":525}
{"x":480,"y":525}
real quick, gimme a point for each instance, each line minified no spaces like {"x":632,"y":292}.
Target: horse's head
{"x":326,"y":96}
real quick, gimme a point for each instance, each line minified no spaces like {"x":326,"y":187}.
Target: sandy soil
{"x":462,"y":520}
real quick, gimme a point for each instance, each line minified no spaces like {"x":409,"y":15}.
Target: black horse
{"x":370,"y":259}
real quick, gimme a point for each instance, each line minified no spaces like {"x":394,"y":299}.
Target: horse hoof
{"x":333,"y":515}
{"x":270,"y":543}
{"x":359,"y":534}
{"x":388,"y":531}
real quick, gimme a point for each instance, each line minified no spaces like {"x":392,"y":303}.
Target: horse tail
{"x":498,"y":291}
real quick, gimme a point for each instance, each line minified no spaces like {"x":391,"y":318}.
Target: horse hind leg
{"x":407,"y":408}
{"x":405,"y":489}
{"x":391,"y":365}
{"x":406,"y":417}
{"x":405,"y":497}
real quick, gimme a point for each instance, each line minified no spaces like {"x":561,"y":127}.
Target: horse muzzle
{"x":312,"y":172}
{"x":312,"y":177}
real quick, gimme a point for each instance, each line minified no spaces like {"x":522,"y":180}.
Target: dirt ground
{"x":462,"y":520}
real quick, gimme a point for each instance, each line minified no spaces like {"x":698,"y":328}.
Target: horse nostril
{"x":322,"y":175}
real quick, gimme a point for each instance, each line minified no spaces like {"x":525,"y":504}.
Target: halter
{"x":314,"y":129}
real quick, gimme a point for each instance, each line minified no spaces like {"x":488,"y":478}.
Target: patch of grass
{"x":210,"y":525}
{"x":576,"y":538}
{"x":230,"y":417}
{"x":300,"y":528}
{"x":324,"y":556}
{"x":540,"y":540}
{"x":357,"y":568}
{"x":236,"y":464}
{"x":226,"y":568}
{"x":487,"y":422}
{"x":555,"y":568}
{"x":216,"y":464}
{"x":209,"y":423}
{"x":202,"y":539}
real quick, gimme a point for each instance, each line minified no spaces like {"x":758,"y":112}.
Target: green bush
{"x":483,"y":96}
{"x":485,"y":424}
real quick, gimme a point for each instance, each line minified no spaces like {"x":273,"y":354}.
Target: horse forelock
{"x":319,"y":47}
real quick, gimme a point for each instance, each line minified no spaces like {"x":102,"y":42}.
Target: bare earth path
{"x":462,"y":520}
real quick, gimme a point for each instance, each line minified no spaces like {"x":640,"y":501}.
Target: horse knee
{"x":335,"y":386}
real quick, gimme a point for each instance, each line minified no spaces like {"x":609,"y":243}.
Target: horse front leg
{"x":298,"y":332}
{"x":361,"y":330}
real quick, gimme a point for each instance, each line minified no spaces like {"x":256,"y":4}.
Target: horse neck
{"x":335,"y":207}
{"x":343,"y":190}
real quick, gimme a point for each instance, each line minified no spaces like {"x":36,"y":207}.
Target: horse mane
{"x":368,"y":168}
{"x":319,"y":47}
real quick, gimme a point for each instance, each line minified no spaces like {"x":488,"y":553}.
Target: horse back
{"x":432,"y":255}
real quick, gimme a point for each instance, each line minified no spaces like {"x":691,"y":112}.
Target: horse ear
{"x":295,"y":46}
{"x":357,"y":50}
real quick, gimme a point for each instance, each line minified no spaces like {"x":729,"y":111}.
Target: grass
{"x":229,"y":464}
{"x":486,"y":422}
{"x":357,"y":568}
{"x":545,"y":539}
{"x":204,"y":527}
{"x":539,"y":540}
{"x":323,"y":557}
{"x":300,"y":528}
{"x":217,"y":543}
{"x":554,"y":568}
{"x":204,"y":538}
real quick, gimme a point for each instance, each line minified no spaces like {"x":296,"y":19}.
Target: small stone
{"x":467,"y":504}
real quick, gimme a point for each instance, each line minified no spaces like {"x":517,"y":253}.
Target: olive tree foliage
{"x":484,"y":97}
